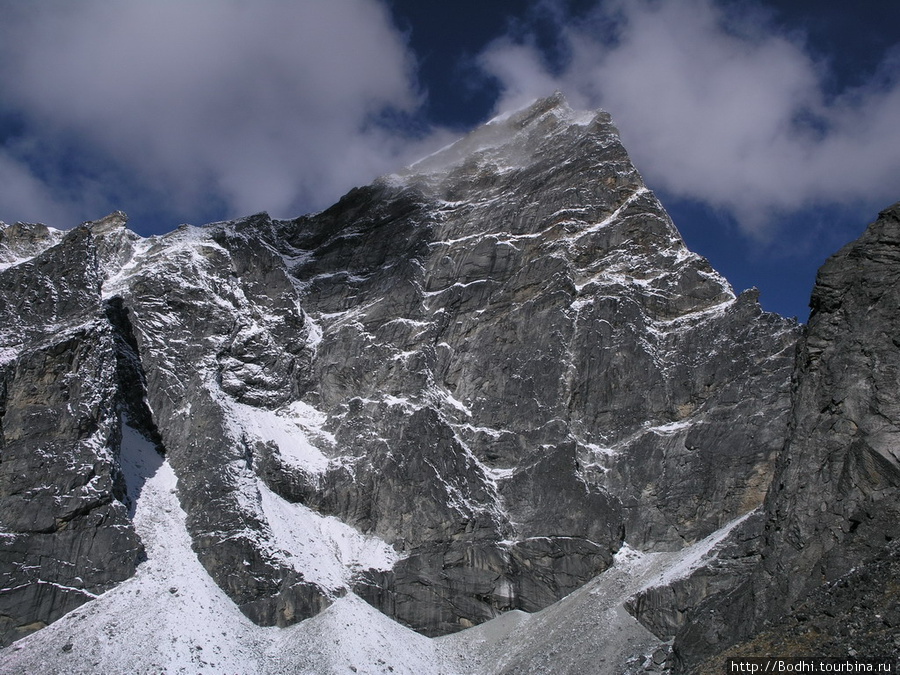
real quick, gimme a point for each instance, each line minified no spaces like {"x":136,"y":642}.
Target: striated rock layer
{"x":456,"y":392}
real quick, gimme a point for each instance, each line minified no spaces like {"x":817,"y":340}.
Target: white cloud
{"x":712,"y":107}
{"x":261,"y":105}
{"x":269,"y":105}
{"x":25,"y":197}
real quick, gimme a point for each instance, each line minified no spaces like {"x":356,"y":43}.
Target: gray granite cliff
{"x":812,"y":573}
{"x":469,"y":388}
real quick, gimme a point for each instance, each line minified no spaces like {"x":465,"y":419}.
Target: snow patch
{"x":456,"y":403}
{"x":611,"y":218}
{"x":599,"y":451}
{"x":685,"y":562}
{"x":326,"y":550}
{"x":403,"y":402}
{"x":499,"y":474}
{"x":671,"y":427}
{"x":5,"y":265}
{"x":172,"y":618}
{"x":293,"y":429}
{"x":7,"y":355}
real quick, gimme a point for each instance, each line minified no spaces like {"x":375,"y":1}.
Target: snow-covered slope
{"x":172,"y":618}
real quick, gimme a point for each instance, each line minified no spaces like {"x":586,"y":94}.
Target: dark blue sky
{"x":851,"y":40}
{"x":768,"y":128}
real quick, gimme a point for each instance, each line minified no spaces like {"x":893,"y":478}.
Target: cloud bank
{"x":197,"y":109}
{"x":263,"y":105}
{"x":720,"y":108}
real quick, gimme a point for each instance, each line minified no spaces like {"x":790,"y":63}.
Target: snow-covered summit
{"x":505,"y":143}
{"x":509,"y":140}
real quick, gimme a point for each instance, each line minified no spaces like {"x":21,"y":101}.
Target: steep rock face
{"x":833,"y":504}
{"x":216,"y":324}
{"x":66,"y":535}
{"x":455,"y":392}
{"x":835,"y":498}
{"x":527,"y":288}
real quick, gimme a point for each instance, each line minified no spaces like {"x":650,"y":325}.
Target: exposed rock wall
{"x":215,"y":316}
{"x":855,"y":616}
{"x":835,"y":499}
{"x":526,"y":287}
{"x":65,"y":535}
{"x":499,"y":364}
{"x":834,"y":503}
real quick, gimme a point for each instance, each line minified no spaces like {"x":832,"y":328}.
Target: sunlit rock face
{"x":456,"y":392}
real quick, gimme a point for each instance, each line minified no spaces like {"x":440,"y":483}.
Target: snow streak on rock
{"x":172,"y":618}
{"x":452,"y":395}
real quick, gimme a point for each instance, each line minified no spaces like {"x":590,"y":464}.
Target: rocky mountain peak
{"x":21,"y":241}
{"x":507,"y":143}
{"x":114,"y":221}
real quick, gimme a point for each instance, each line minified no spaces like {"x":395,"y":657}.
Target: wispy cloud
{"x":718,"y":107}
{"x":254,"y":105}
{"x":26,"y":197}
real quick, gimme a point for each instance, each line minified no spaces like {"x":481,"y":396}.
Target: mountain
{"x":824,"y":577}
{"x":492,"y":392}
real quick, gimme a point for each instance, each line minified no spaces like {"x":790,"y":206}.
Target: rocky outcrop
{"x":66,"y":535}
{"x":855,"y":616}
{"x":831,"y":516}
{"x":21,"y":241}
